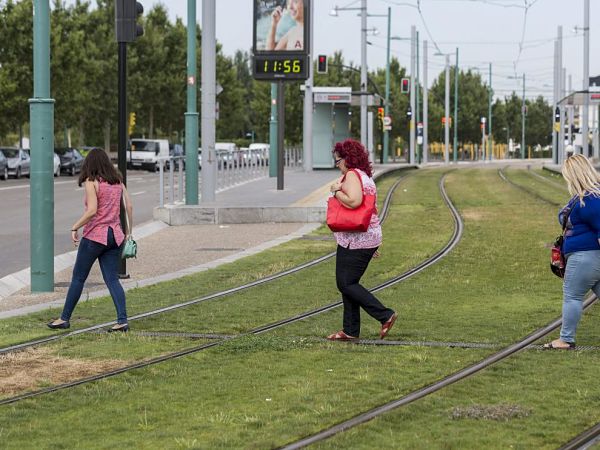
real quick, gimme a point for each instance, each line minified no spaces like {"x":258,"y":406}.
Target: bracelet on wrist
{"x":74,"y":229}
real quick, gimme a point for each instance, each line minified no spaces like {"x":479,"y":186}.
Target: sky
{"x":516,"y":36}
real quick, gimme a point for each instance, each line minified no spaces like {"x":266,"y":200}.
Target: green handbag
{"x":129,"y":246}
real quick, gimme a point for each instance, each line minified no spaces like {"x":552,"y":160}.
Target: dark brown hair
{"x":97,"y":167}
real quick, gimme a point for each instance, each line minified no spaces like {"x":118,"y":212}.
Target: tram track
{"x":591,"y":435}
{"x":455,"y":238}
{"x":54,"y":338}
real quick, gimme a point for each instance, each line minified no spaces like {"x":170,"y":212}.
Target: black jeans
{"x":350,"y":265}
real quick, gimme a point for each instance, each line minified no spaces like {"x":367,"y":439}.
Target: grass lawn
{"x":246,"y":270}
{"x":264,"y":391}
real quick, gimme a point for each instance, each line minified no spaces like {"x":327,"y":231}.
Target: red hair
{"x":355,"y":155}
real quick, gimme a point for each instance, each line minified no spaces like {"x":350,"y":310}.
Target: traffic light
{"x":322,"y":64}
{"x":409,"y":113}
{"x":557,"y":114}
{"x":405,"y":87}
{"x":131,"y":123}
{"x":380,"y":113}
{"x":126,"y":15}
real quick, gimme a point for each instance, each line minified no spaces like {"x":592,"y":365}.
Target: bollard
{"x":180,"y":165}
{"x":171,"y":182}
{"x":161,"y":183}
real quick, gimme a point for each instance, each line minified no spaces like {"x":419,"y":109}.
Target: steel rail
{"x":526,"y":189}
{"x":56,"y":337}
{"x":546,"y":179}
{"x":448,"y":380}
{"x":458,"y":229}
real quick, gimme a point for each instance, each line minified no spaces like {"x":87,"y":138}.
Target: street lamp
{"x":363,"y":61}
{"x":447,"y":107}
{"x":523,"y":114}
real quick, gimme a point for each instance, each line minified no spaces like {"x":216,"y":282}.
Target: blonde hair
{"x":581,"y":176}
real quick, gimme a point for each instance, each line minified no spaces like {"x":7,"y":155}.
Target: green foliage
{"x":84,"y":84}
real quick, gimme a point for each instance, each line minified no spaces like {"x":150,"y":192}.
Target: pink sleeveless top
{"x":107,"y":214}
{"x":370,"y":238}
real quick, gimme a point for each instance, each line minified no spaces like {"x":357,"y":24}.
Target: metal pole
{"x":554,"y":106}
{"x":586,"y":77}
{"x":386,"y":133}
{"x":560,"y":144}
{"x":490,"y":142}
{"x":425,"y":106}
{"x":570,"y":113}
{"x":307,"y":133}
{"x":523,"y":122}
{"x":280,"y":133}
{"x":417,"y":103}
{"x":363,"y":75}
{"x":455,"y":148}
{"x":41,"y":116}
{"x":447,"y":113}
{"x":413,"y":35}
{"x":209,"y":85}
{"x":273,"y":141}
{"x":561,"y":133}
{"x":191,"y":116}
{"x":122,"y":136}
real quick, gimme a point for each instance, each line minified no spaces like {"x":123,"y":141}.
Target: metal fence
{"x":233,"y":168}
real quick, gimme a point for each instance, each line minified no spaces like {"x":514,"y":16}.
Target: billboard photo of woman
{"x":280,"y":25}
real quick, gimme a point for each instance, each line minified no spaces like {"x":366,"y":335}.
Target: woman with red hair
{"x":355,"y":249}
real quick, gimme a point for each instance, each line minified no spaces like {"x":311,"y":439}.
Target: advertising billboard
{"x":281,"y":38}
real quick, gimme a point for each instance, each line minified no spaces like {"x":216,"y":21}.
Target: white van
{"x":144,"y":153}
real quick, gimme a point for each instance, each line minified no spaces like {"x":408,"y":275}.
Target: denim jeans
{"x":350,"y":265}
{"x":581,"y":275}
{"x":109,"y":257}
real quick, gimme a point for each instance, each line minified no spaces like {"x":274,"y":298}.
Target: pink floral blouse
{"x":370,"y":238}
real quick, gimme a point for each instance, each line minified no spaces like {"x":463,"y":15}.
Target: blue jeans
{"x":581,"y":275}
{"x":109,"y":257}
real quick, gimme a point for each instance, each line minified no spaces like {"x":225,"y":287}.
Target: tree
{"x":16,"y":75}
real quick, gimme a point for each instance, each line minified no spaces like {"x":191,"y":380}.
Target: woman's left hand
{"x":75,"y":237}
{"x":336,"y":186}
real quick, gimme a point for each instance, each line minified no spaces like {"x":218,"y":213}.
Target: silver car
{"x":18,"y":161}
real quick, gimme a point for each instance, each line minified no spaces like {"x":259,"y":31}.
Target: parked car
{"x":3,"y":167}
{"x":262,"y":151}
{"x":144,"y":153}
{"x":56,"y":165}
{"x":70,"y":160}
{"x":18,"y":161}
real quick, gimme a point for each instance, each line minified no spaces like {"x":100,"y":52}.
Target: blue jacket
{"x":583,"y":225}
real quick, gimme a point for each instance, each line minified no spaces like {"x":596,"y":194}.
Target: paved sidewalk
{"x":169,"y":252}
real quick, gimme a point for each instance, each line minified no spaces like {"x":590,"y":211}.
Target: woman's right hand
{"x":276,"y":16}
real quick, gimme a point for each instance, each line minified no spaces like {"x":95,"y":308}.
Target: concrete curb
{"x":88,"y":294}
{"x":19,"y":280}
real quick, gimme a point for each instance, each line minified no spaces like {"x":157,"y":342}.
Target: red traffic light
{"x":405,"y":86}
{"x":322,"y":64}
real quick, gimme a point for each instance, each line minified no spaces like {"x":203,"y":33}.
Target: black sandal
{"x":120,"y":327}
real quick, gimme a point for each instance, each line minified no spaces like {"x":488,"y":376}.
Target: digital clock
{"x":280,"y":67}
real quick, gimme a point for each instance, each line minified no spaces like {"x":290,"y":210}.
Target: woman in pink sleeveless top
{"x":355,"y":250}
{"x":102,"y":235}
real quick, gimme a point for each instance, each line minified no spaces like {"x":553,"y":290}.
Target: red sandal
{"x":387,"y":325}
{"x":341,"y":336}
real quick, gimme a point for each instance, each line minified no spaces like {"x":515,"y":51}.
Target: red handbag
{"x":342,"y":218}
